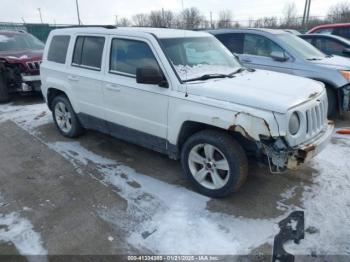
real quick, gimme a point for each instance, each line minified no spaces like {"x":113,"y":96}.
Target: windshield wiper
{"x":211,"y":76}
{"x":314,"y":59}
{"x":208,"y":76}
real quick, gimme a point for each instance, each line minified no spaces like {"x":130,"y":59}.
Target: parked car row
{"x":187,"y":95}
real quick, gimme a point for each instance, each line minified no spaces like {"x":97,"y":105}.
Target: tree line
{"x":193,"y":18}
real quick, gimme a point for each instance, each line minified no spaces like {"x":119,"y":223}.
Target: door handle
{"x":73,"y":78}
{"x":112,"y":87}
{"x":246,"y":60}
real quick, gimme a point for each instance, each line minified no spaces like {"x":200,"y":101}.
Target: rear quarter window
{"x":88,"y":51}
{"x":58,"y":49}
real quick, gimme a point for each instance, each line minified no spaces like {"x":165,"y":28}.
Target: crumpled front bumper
{"x":304,"y":152}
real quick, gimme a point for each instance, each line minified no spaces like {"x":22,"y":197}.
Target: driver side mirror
{"x":346,"y":51}
{"x":278,"y":56}
{"x":151,"y":76}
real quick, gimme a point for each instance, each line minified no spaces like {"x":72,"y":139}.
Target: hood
{"x":261,"y":89}
{"x":336,"y":62}
{"x":22,"y":56}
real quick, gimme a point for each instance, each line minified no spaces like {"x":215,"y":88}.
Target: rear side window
{"x":234,"y":42}
{"x":128,"y":55}
{"x":342,"y":31}
{"x":88,"y":51}
{"x":58,"y":49}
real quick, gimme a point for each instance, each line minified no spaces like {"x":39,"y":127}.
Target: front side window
{"x":88,"y":51}
{"x":196,"y":56}
{"x":128,"y":55}
{"x":259,"y":45}
{"x":234,"y":42}
{"x":58,"y":49}
{"x":329,"y":46}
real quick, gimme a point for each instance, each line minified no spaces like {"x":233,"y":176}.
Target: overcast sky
{"x":104,"y":11}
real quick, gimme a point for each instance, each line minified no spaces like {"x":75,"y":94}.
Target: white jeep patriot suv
{"x":184,"y":94}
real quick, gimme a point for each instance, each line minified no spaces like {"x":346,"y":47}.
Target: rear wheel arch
{"x":52,"y":93}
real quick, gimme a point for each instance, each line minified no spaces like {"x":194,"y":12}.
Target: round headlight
{"x":294,"y":124}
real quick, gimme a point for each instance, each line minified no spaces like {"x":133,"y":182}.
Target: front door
{"x":136,"y":112}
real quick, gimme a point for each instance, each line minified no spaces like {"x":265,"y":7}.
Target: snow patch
{"x":169,"y":219}
{"x":327,"y":203}
{"x":19,"y":231}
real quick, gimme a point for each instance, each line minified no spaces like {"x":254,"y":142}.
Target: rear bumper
{"x":303,"y":153}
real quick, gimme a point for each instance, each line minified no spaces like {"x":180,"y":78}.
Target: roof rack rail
{"x":104,"y":26}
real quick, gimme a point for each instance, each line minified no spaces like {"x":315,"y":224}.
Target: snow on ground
{"x":168,"y":219}
{"x":327,"y":203}
{"x":20,"y":232}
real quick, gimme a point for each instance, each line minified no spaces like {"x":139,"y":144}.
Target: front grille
{"x":316,"y":117}
{"x":34,"y":65}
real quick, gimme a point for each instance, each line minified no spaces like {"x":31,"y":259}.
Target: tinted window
{"x":309,"y":40}
{"x":344,"y":32}
{"x":327,"y":31}
{"x":234,"y":42}
{"x":88,"y":51}
{"x":58,"y":49}
{"x":329,"y":46}
{"x":128,"y":55}
{"x":259,"y":45}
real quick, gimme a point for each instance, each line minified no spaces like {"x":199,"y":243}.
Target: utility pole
{"x":41,"y":19}
{"x":116,"y":20}
{"x":77,"y":4}
{"x":211,"y":20}
{"x":306,"y":14}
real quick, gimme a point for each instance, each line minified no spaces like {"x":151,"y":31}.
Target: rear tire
{"x":65,"y":118}
{"x":4,"y":92}
{"x":214,"y":162}
{"x":332,"y":103}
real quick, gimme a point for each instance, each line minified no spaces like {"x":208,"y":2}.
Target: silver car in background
{"x":280,"y":51}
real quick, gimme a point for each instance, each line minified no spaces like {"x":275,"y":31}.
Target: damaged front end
{"x":19,"y":79}
{"x":281,"y":157}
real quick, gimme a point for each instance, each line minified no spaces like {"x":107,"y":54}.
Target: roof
{"x":158,"y":32}
{"x":266,"y":30}
{"x":342,"y":39}
{"x":329,"y":26}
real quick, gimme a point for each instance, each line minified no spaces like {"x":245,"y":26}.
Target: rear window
{"x":88,"y":51}
{"x":58,"y":49}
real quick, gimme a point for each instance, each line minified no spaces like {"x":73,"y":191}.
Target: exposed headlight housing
{"x":346,"y":75}
{"x":294,"y":123}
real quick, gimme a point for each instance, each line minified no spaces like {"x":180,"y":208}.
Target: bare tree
{"x":339,"y":13}
{"x":140,"y":20}
{"x":191,"y":18}
{"x":290,"y":16}
{"x":124,"y":22}
{"x":225,"y":19}
{"x":162,"y":18}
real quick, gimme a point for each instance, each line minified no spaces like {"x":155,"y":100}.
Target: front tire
{"x":332,"y":103}
{"x":4,"y":92}
{"x":214,"y":162}
{"x":65,"y":118}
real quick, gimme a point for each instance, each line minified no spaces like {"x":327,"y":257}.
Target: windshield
{"x":197,"y":56}
{"x":304,"y":49}
{"x":17,"y":42}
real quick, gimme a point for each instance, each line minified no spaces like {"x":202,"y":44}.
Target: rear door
{"x":86,"y":73}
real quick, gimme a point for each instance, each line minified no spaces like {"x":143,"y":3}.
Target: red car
{"x":342,"y":30}
{"x":20,"y":58}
